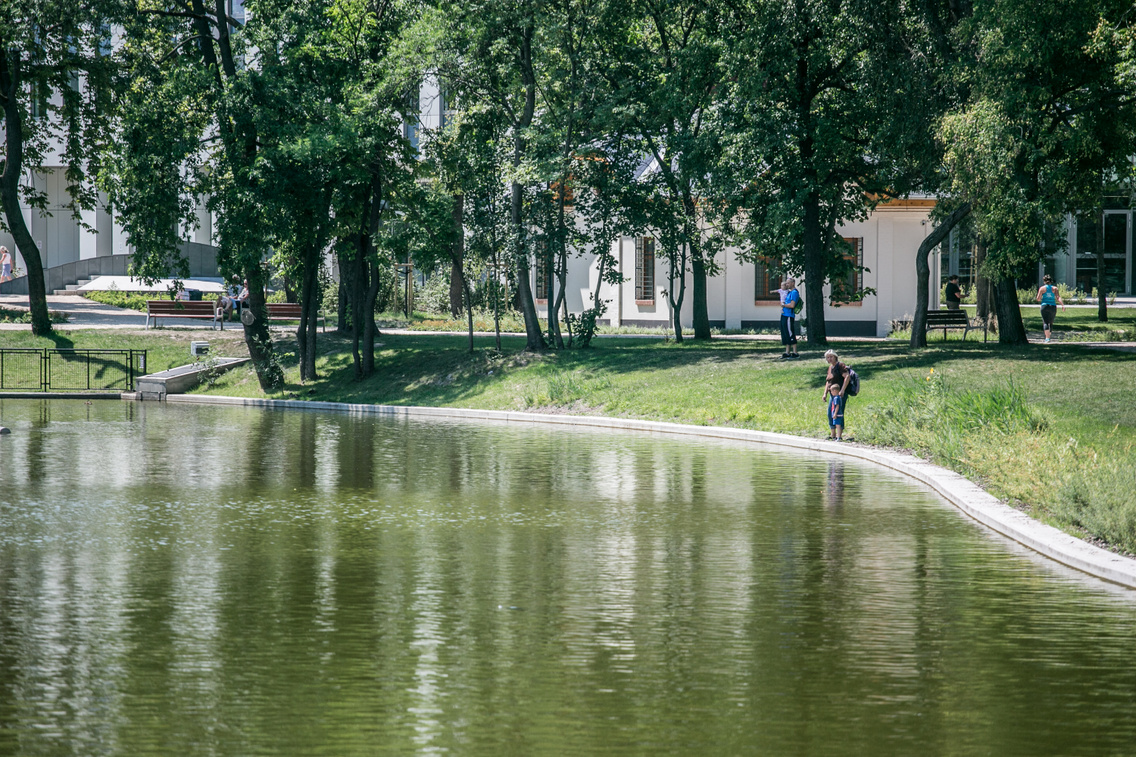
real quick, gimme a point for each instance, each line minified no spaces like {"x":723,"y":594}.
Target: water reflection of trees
{"x":409,"y":575}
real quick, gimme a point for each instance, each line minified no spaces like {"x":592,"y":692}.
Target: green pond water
{"x":225,"y":581}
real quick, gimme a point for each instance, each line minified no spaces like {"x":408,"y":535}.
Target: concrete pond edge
{"x":967,"y":496}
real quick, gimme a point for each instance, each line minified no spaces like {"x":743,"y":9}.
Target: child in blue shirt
{"x":835,"y":412}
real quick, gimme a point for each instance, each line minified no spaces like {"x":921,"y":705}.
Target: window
{"x":540,"y":290}
{"x":41,"y":100}
{"x":447,"y":103}
{"x":645,"y":270}
{"x":410,"y":120}
{"x":849,"y":286}
{"x":767,"y":280}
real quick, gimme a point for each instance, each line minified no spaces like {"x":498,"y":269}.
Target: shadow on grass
{"x":438,"y":368}
{"x":61,"y":341}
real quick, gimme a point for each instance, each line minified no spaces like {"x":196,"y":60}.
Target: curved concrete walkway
{"x":963,"y":494}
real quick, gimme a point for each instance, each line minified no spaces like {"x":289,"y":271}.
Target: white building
{"x":740,"y":296}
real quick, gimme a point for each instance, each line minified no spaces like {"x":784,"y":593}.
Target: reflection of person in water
{"x":834,"y":487}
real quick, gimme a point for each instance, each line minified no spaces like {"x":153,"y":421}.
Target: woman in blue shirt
{"x":1048,"y":296}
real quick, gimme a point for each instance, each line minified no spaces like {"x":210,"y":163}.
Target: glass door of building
{"x":1118,"y":241}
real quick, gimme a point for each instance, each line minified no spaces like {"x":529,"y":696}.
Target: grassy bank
{"x":1050,"y":428}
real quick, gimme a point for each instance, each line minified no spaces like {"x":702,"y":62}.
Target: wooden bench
{"x":948,"y":319}
{"x":289,"y":311}
{"x":202,"y":309}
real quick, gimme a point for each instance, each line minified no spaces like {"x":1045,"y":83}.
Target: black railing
{"x":33,"y":370}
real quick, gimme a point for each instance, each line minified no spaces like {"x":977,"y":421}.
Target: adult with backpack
{"x":1048,"y":296}
{"x":791,"y":304}
{"x":840,"y":383}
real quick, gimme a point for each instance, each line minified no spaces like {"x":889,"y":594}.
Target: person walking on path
{"x":789,"y":299}
{"x":836,"y":394}
{"x":954,"y":293}
{"x":1049,"y":297}
{"x":5,"y":264}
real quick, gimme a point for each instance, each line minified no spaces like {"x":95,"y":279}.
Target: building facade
{"x":742,"y":295}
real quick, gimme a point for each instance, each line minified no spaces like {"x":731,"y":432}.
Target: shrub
{"x":118,"y":299}
{"x":434,"y":295}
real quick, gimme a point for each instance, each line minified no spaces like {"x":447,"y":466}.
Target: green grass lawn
{"x":166,"y":348}
{"x":1050,"y":428}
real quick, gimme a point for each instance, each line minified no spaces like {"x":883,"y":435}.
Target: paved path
{"x":88,"y":314}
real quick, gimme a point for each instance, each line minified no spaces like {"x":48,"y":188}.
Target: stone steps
{"x":71,"y":288}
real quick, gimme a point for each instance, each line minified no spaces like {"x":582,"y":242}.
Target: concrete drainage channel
{"x":158,"y":386}
{"x":963,"y":494}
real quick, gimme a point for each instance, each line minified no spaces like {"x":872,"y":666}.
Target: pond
{"x":211,"y":580}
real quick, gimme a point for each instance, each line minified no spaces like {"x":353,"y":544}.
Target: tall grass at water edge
{"x":933,"y":419}
{"x":1052,"y":477}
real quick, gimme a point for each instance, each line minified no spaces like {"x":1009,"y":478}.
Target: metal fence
{"x":33,"y":370}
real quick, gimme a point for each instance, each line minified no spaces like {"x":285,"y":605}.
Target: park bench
{"x":289,"y":311}
{"x":948,"y":319}
{"x":202,"y":309}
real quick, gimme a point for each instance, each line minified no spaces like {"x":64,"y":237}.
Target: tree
{"x":56,"y":86}
{"x":1047,"y":122}
{"x":378,"y":98}
{"x":485,"y":52}
{"x":610,"y":202}
{"x":665,"y":71}
{"x":194,"y":56}
{"x":824,"y":111}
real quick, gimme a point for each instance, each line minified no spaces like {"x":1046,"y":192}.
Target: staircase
{"x":72,"y":288}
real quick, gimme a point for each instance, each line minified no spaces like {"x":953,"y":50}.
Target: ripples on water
{"x":231,"y":581}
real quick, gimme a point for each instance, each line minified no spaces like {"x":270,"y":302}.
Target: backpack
{"x":853,"y":383}
{"x":799,"y":305}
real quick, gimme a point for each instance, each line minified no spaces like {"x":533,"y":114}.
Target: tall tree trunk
{"x":698,"y":300}
{"x":10,"y":90}
{"x":469,"y":311}
{"x":813,"y":248}
{"x":343,"y":306}
{"x":496,"y":300}
{"x":545,"y":261}
{"x":1102,"y":295}
{"x":457,"y":256}
{"x":524,"y":297}
{"x":370,"y":328}
{"x":1011,"y":330}
{"x":257,"y":337}
{"x":358,"y":290}
{"x":678,"y":260}
{"x":309,"y":313}
{"x":604,"y":257}
{"x":534,"y":339}
{"x":699,"y":305}
{"x":923,"y":272}
{"x":984,"y":305}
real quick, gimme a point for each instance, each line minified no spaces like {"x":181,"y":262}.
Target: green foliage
{"x":584,"y":326}
{"x":11,"y":315}
{"x":434,"y":295}
{"x":131,"y":300}
{"x":1046,"y":123}
{"x":1096,"y":494}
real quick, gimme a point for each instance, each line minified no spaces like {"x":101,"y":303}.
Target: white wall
{"x":891,"y":238}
